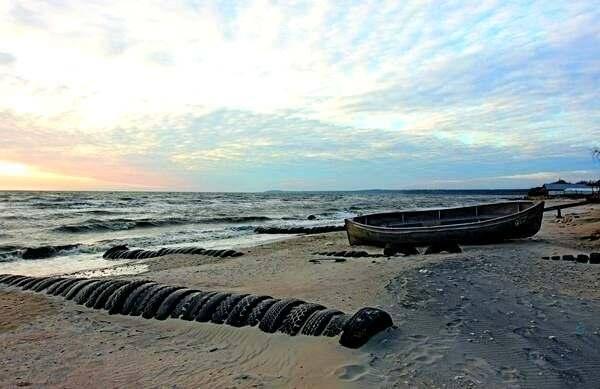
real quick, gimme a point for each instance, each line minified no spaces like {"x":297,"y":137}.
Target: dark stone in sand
{"x":582,"y":258}
{"x":311,"y":217}
{"x":568,"y":257}
{"x":595,"y":258}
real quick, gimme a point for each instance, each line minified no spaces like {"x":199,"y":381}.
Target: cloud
{"x":187,"y":92}
{"x":6,"y":58}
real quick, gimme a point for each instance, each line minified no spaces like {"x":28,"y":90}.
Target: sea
{"x":80,"y":226}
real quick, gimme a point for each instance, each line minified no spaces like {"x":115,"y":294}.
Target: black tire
{"x":259,"y":311}
{"x":169,"y":304}
{"x":123,"y":254}
{"x":15,"y":280}
{"x":52,"y":288}
{"x":277,"y":314}
{"x":46,"y":283}
{"x":336,"y":325}
{"x":135,"y":252}
{"x":143,"y":299}
{"x":183,"y":306}
{"x":107,"y":292}
{"x":297,"y":317}
{"x":210,"y":306}
{"x":33,"y":281}
{"x":156,"y":301}
{"x":115,"y":302}
{"x":114,"y":249}
{"x":135,"y":297}
{"x":147,"y":254}
{"x":84,"y":293}
{"x":64,"y":285}
{"x":91,"y":300}
{"x":595,"y":258}
{"x":199,"y":305}
{"x":224,"y":309}
{"x":34,"y":284}
{"x":4,"y":277}
{"x":23,"y":281}
{"x":9,"y":280}
{"x":239,"y":314}
{"x":317,"y":322}
{"x":363,"y":325}
{"x":73,"y":290}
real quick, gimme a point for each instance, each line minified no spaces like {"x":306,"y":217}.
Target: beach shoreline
{"x":492,"y":316}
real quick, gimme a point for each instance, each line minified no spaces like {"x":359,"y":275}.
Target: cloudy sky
{"x":255,"y":95}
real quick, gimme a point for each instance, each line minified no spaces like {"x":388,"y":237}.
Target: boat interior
{"x":444,"y":216}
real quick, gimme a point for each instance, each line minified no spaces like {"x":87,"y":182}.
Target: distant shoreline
{"x":276,"y":191}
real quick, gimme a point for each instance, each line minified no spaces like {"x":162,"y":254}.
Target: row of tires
{"x":593,"y":258}
{"x":124,"y":252}
{"x":153,"y":300}
{"x":298,"y":230}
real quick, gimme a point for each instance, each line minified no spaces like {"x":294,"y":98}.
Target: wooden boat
{"x":478,"y":224}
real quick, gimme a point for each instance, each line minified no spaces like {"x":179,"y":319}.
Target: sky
{"x":294,"y":95}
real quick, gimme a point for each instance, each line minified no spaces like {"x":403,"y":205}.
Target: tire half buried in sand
{"x":156,"y":300}
{"x":170,"y":303}
{"x":135,"y":296}
{"x":277,"y":313}
{"x":240,"y":313}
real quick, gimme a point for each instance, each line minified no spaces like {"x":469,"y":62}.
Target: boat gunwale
{"x":448,"y":226}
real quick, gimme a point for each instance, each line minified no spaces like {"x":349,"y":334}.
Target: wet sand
{"x":492,"y":316}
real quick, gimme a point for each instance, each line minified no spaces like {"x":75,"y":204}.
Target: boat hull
{"x":519,"y":225}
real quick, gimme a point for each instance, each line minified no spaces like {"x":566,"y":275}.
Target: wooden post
{"x":558,"y":214}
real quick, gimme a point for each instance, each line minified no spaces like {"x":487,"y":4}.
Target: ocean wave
{"x":36,"y":252}
{"x":235,"y":219}
{"x":61,"y":204}
{"x":97,"y":225}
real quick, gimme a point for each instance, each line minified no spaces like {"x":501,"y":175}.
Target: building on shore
{"x":562,"y":188}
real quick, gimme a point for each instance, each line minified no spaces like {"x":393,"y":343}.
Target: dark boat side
{"x":478,"y":224}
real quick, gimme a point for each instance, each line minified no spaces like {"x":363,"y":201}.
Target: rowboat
{"x":477,"y":224}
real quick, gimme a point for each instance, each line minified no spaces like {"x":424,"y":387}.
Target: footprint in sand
{"x":350,"y":372}
{"x":509,"y":375}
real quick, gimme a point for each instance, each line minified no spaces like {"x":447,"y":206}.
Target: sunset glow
{"x":11,"y":169}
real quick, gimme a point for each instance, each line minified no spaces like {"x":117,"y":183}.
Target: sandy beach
{"x":492,"y":316}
